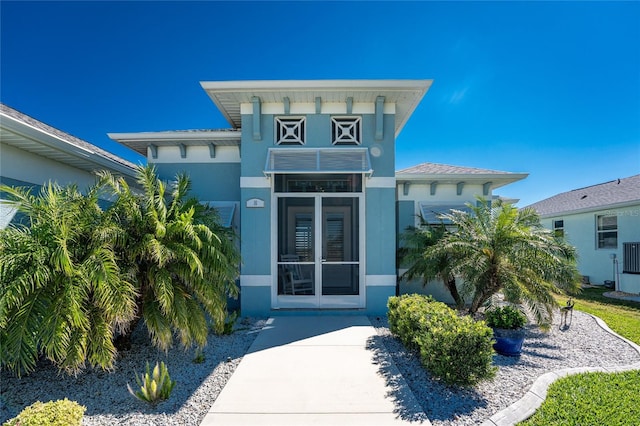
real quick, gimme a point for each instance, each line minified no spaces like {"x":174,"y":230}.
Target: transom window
{"x":318,"y":182}
{"x":607,"y":231}
{"x":290,"y":130}
{"x":346,"y":130}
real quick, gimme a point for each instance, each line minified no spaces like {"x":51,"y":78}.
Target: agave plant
{"x":155,"y":386}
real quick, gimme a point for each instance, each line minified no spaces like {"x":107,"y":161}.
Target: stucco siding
{"x":255,"y":301}
{"x":25,"y":166}
{"x":380,"y":231}
{"x":406,"y":216}
{"x":377,"y":298}
{"x":209,"y":181}
{"x":580,"y":231}
{"x":255,"y":225}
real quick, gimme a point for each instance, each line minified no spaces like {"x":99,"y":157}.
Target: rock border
{"x":526,"y":406}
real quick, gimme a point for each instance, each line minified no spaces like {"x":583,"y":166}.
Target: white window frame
{"x":601,"y":230}
{"x":346,"y":130}
{"x":558,"y":227}
{"x":290,"y":130}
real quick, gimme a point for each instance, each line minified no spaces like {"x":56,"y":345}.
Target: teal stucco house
{"x":306,"y":175}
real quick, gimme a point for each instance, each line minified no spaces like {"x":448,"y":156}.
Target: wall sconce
{"x":405,"y":188}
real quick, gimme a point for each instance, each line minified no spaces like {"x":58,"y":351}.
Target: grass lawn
{"x":591,"y":399}
{"x":596,"y":398}
{"x":621,"y":316}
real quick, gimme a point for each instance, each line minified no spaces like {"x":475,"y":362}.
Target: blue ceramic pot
{"x":508,"y":342}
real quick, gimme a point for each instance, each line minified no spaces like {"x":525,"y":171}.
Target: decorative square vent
{"x":346,"y":130}
{"x":290,"y":130}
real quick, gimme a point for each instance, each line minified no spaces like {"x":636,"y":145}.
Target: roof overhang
{"x":27,"y":137}
{"x":140,"y":141}
{"x":609,"y":208}
{"x":230,"y":95}
{"x":497,"y":180}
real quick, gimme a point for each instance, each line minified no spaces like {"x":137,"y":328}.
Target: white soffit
{"x":229,"y":95}
{"x":31,"y":135}
{"x":141,"y":140}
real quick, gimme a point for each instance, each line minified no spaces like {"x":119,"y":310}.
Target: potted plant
{"x":507,"y":322}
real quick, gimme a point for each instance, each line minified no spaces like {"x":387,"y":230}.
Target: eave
{"x":229,"y":95}
{"x":38,"y":141}
{"x":140,"y":141}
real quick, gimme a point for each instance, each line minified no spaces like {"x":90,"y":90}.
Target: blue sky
{"x":552,"y":89}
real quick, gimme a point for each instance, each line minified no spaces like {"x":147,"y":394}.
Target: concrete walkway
{"x":316,"y":371}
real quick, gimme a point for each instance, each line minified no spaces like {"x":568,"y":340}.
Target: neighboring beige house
{"x":33,"y":153}
{"x":603,"y":223}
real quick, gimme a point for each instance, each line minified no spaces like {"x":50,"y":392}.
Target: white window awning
{"x":318,"y":160}
{"x":7,"y":212}
{"x":432,"y":213}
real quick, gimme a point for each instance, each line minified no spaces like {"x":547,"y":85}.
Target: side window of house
{"x":346,"y":130}
{"x":607,"y":231}
{"x":558,"y":228}
{"x":290,"y":130}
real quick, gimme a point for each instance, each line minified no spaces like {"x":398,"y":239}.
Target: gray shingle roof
{"x":66,"y":137}
{"x":594,"y":197}
{"x":443,"y":169}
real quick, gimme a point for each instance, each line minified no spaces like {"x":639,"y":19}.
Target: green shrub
{"x":507,"y":317}
{"x":407,"y":317}
{"x":455,"y":349}
{"x":155,"y":386}
{"x":52,"y":413}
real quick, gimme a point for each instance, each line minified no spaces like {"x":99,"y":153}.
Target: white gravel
{"x":109,"y":403}
{"x":106,"y":396}
{"x":583,"y":344}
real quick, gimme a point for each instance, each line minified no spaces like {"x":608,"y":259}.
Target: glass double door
{"x":318,"y":242}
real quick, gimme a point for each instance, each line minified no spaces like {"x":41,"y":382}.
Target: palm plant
{"x":500,"y":248}
{"x":62,"y":293}
{"x":416,"y":240}
{"x":184,"y":264}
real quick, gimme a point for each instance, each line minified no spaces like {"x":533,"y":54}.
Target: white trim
{"x":254,"y":182}
{"x":195,"y":154}
{"x":277,"y":108}
{"x":255,"y":280}
{"x":317,"y":301}
{"x":594,"y":209}
{"x":381,"y":182}
{"x":380,"y":280}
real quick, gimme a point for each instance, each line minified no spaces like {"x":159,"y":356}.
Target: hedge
{"x":58,"y":413}
{"x":457,"y":350}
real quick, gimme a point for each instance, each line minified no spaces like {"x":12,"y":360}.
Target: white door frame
{"x":318,"y":301}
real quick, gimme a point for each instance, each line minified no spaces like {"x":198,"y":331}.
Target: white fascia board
{"x":176,"y":136}
{"x":268,"y":85}
{"x":67,"y":147}
{"x":602,"y":209}
{"x":39,"y":135}
{"x":498,"y":179}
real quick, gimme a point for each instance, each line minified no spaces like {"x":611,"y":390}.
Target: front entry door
{"x":319,"y":252}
